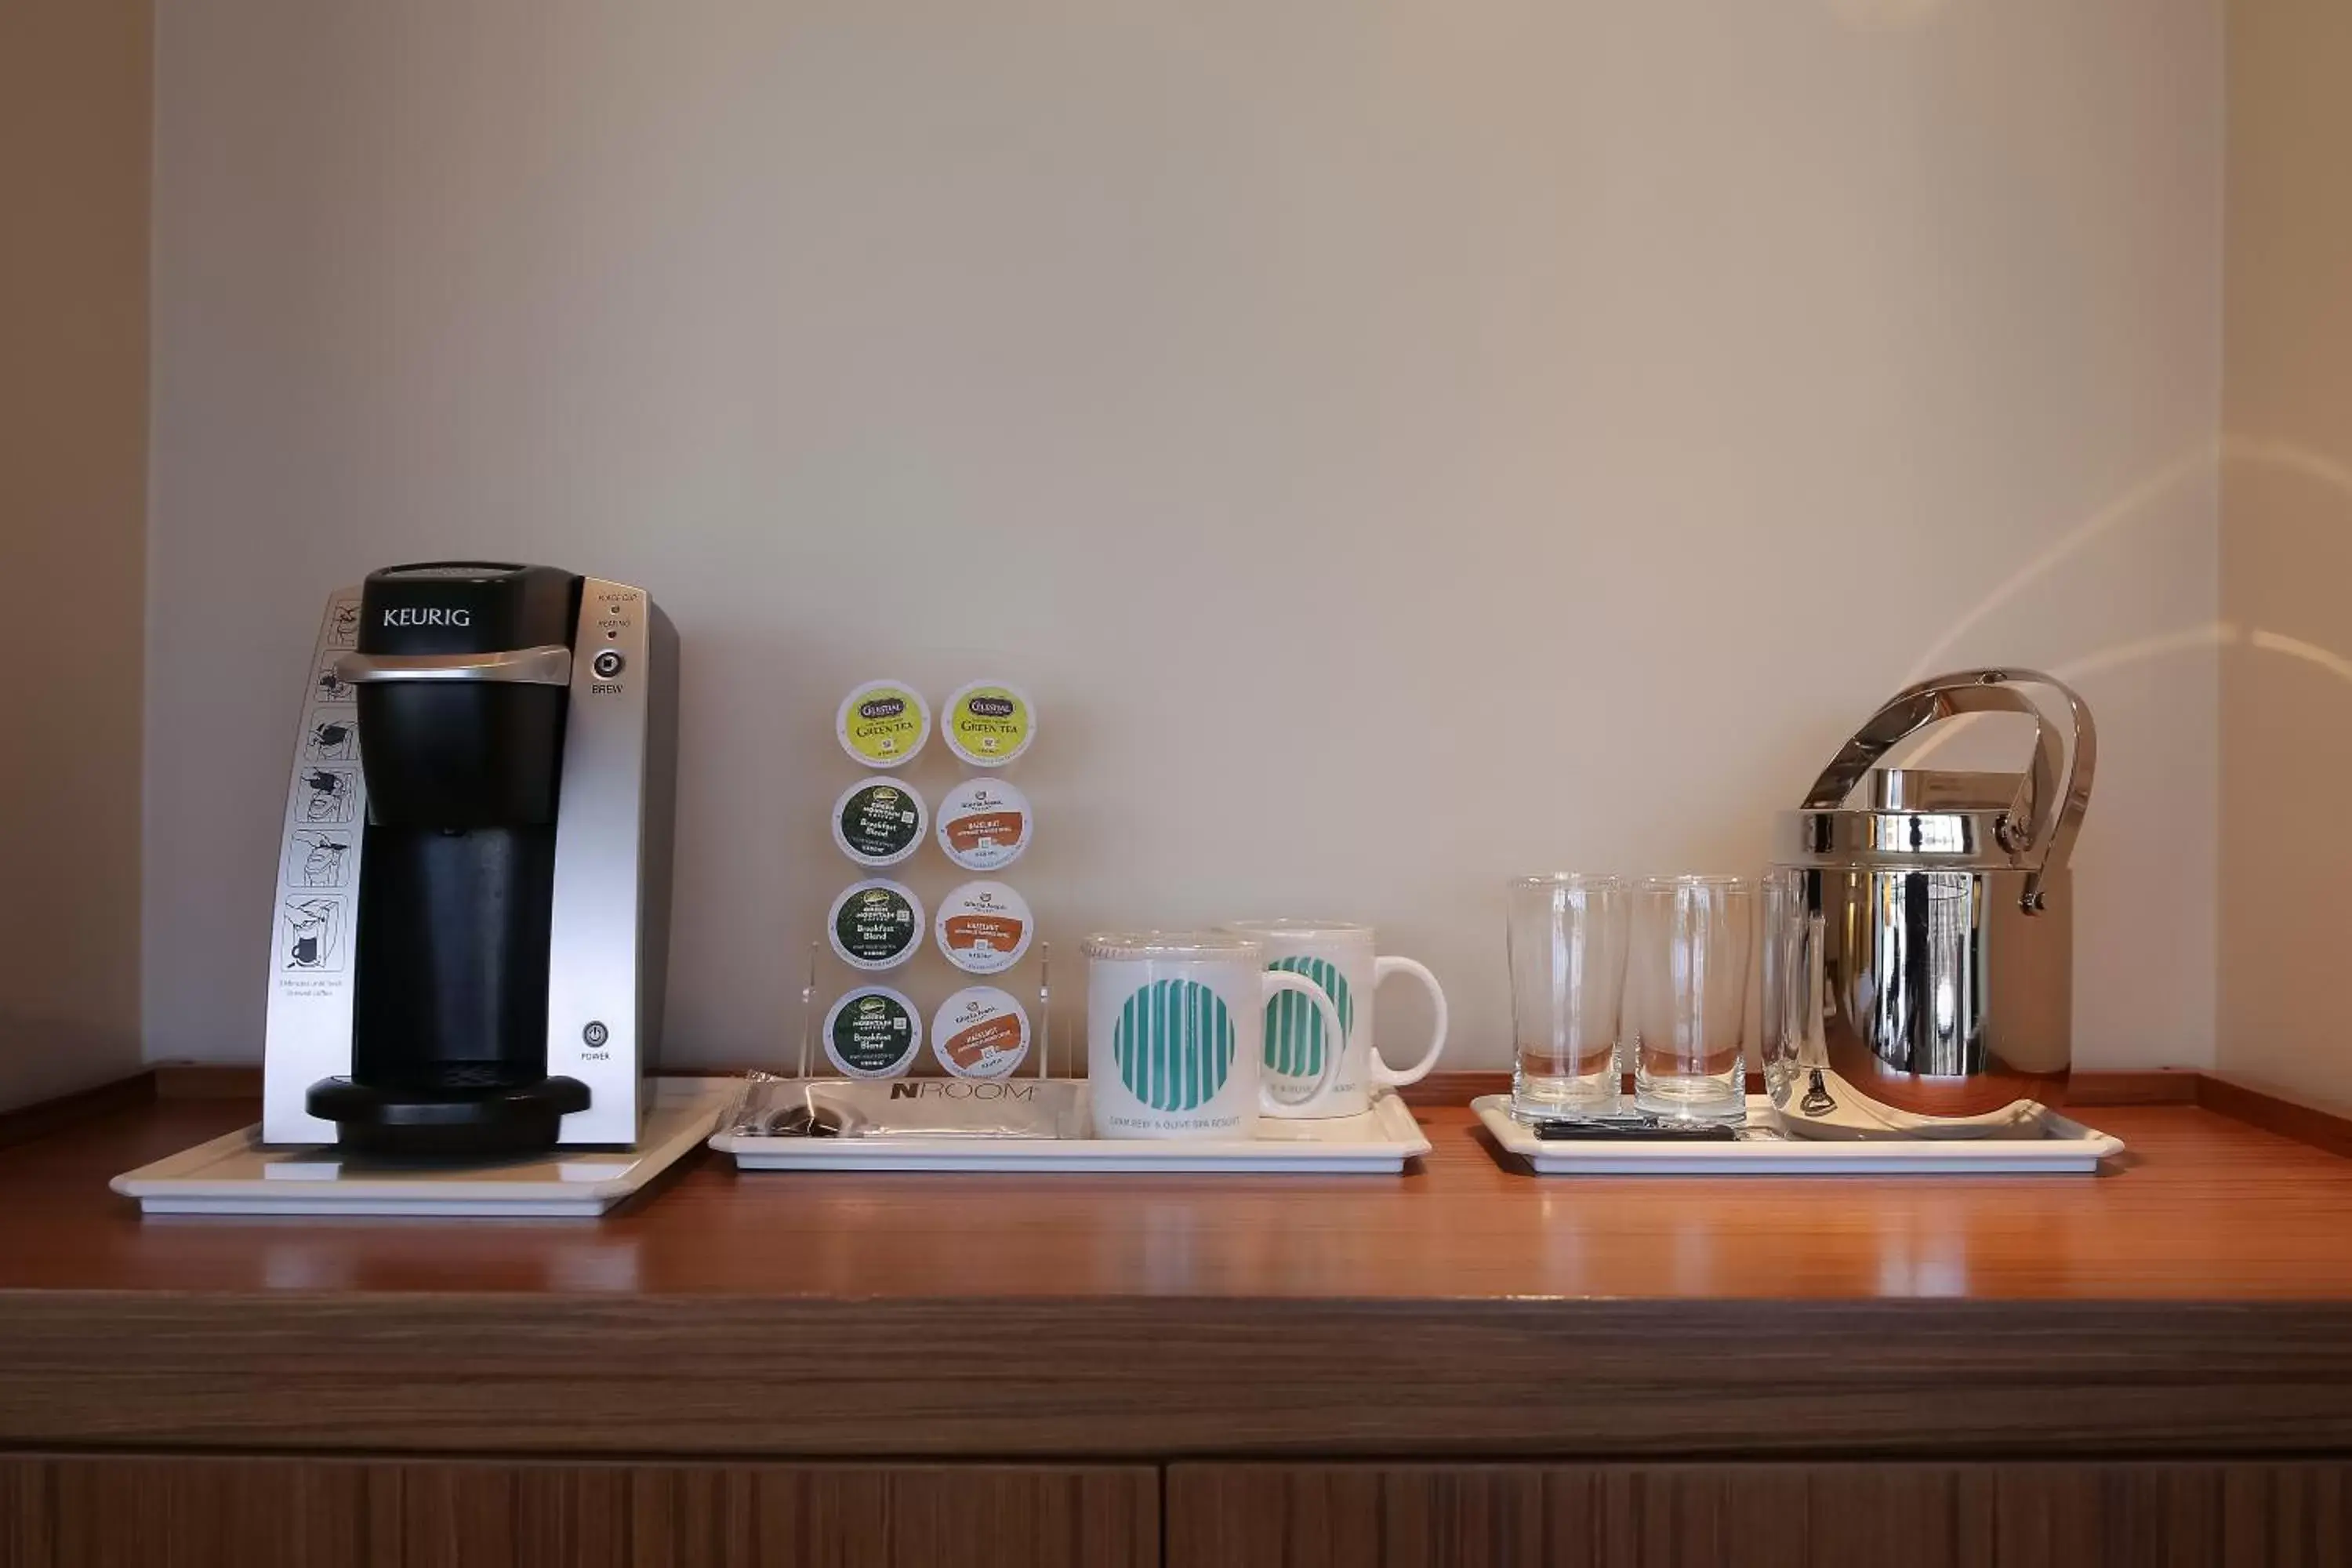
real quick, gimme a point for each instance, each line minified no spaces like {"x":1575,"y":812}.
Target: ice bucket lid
{"x":1912,"y":817}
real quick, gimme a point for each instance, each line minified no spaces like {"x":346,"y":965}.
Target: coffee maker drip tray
{"x":239,"y":1175}
{"x":449,"y":1120}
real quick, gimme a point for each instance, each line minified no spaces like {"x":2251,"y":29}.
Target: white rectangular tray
{"x":1763,"y":1149}
{"x":236,"y":1174}
{"x":1378,"y":1143}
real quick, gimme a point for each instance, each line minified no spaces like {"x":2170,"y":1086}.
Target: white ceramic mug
{"x":1344,"y":961}
{"x":1175,"y":1033}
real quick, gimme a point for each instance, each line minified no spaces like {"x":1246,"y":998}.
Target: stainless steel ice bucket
{"x":1918,"y":951}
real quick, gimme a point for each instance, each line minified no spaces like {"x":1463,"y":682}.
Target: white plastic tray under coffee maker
{"x":2043,"y":1142}
{"x":1378,"y":1143}
{"x":238,"y":1174}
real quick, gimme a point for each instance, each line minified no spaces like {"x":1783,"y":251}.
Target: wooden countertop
{"x":2196,"y":1297}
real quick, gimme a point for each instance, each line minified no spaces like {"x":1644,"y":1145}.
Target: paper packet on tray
{"x":909,"y":1108}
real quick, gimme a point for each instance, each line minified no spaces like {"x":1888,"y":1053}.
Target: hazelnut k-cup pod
{"x":985,"y":928}
{"x":980,"y":1033}
{"x":985,"y":824}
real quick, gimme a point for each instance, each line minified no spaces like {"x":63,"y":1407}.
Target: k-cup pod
{"x":883,"y":723}
{"x":985,"y":824}
{"x":873,"y":1032}
{"x":878,"y":822}
{"x":988,"y":723}
{"x":985,"y":928}
{"x":874,"y":924}
{"x":979,"y":1032}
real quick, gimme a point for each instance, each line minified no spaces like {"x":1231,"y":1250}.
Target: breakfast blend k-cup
{"x":878,"y":822}
{"x":873,"y":1032}
{"x":874,"y":924}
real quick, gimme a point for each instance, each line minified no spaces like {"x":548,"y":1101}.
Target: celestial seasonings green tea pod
{"x":873,"y":1032}
{"x":874,"y":924}
{"x":985,"y":824}
{"x":979,"y":1032}
{"x":883,"y":723}
{"x":878,"y":822}
{"x":988,"y":724}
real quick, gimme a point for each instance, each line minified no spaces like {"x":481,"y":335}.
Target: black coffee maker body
{"x":473,"y":900}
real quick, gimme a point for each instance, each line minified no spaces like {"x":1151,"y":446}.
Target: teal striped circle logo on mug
{"x":1294,"y":1028}
{"x":1174,"y":1045}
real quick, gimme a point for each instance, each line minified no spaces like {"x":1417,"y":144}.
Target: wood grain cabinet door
{"x":2121,"y":1515}
{"x":84,"y":1512}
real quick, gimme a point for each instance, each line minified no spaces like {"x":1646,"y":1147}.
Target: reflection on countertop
{"x":2168,"y":1220}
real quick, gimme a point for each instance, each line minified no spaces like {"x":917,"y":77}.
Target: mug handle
{"x":1380,"y":1071}
{"x":1284,"y":980}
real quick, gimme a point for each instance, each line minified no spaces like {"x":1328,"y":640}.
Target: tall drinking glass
{"x":1567,"y":976}
{"x":1686,"y":996}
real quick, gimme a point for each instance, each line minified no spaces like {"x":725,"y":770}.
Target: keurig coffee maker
{"x":472,"y":913}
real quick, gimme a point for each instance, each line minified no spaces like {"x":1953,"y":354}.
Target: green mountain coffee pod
{"x":984,"y":824}
{"x":874,"y":924}
{"x":985,"y":928}
{"x":878,"y":822}
{"x":873,"y":1032}
{"x":988,"y":723}
{"x":883,"y":723}
{"x":979,"y":1032}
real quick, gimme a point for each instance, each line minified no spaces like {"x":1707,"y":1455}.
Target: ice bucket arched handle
{"x":2039,"y":827}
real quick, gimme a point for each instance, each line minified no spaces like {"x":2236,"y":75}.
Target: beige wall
{"x":74,"y":77}
{"x":2286,"y":556}
{"x":1402,"y":445}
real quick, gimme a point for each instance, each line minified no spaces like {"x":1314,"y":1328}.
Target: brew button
{"x":595,"y":1034}
{"x":608,"y":664}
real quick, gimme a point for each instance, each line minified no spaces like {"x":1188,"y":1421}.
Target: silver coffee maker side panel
{"x":314,"y":911}
{"x":657,"y":849}
{"x":609,"y":942}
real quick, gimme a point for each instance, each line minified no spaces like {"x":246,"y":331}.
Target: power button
{"x":608,"y":664}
